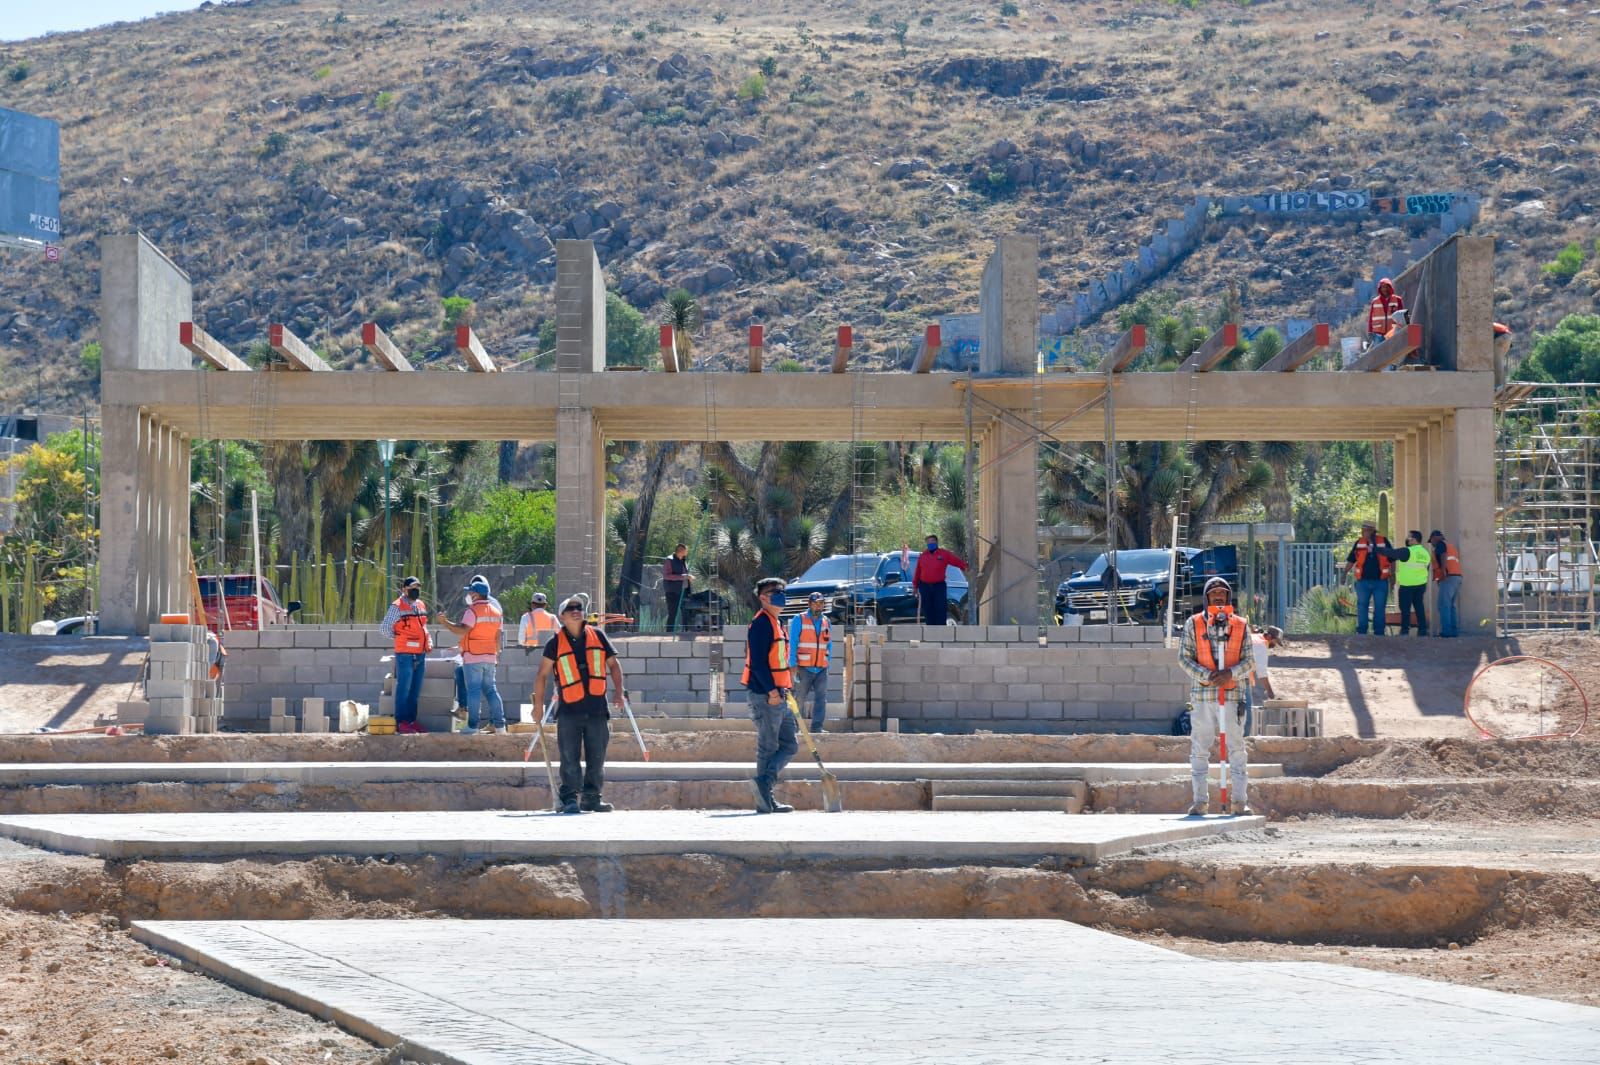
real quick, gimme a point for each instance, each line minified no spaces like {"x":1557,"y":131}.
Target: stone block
{"x":1051,"y":675}
{"x":1092,"y":693}
{"x":653,"y":666}
{"x":181,"y":725}
{"x":1015,"y":709}
{"x":989,"y":656}
{"x":280,"y":707}
{"x":1130,"y":693}
{"x":1010,"y":674}
{"x":352,"y":638}
{"x":938,"y":634}
{"x":280,"y":724}
{"x":133,"y":712}
{"x":313,"y":706}
{"x":171,"y":652}
{"x":305,"y":637}
{"x":1025,"y":692}
{"x":297,"y":656}
{"x":1045,"y":711}
{"x":971,"y":634}
{"x":683,"y":649}
{"x":1094,"y":633}
{"x":978,"y":710}
{"x":1114,"y":674}
{"x":313,"y":723}
{"x":989,"y":692}
{"x":1064,"y":634}
{"x":1005,"y":633}
{"x":275,"y":638}
{"x":313,"y":674}
{"x":240,"y":674}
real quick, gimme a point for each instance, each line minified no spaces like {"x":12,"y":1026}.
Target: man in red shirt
{"x":928,"y":580}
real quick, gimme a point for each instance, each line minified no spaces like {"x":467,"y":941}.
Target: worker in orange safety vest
{"x":1217,"y":655}
{"x":586,"y":671}
{"x":768,"y":681}
{"x":1447,"y":575}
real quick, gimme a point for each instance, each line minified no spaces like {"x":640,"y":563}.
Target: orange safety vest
{"x":1383,"y":560}
{"x":569,"y":679}
{"x":1232,"y":650}
{"x":777,"y":654}
{"x":1452,"y":563}
{"x":538,"y":626}
{"x":815,"y":635}
{"x":411,"y":628}
{"x":484,"y":636}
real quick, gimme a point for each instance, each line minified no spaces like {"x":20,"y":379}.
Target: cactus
{"x":1383,"y":514}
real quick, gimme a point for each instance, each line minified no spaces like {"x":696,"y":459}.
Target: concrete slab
{"x":848,"y":991}
{"x":519,"y":773}
{"x":886,"y":834}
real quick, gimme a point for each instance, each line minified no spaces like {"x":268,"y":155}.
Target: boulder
{"x":904,"y":168}
{"x":744,"y":142}
{"x":719,"y":143}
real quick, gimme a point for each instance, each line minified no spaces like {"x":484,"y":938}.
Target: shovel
{"x":832,"y":797}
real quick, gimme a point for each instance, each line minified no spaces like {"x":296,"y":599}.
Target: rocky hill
{"x":324,"y":162}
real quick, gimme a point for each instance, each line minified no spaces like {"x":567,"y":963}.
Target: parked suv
{"x":875,"y":584}
{"x":241,"y":604}
{"x":1142,"y":578}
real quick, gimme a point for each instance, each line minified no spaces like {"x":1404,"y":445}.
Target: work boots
{"x":765,"y":803}
{"x":1239,"y":808}
{"x":1199,"y":809}
{"x":596,"y":806}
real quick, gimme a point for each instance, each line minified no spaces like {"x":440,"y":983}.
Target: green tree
{"x":457,"y":311}
{"x":1568,"y":262}
{"x":630,"y":340}
{"x":1570,"y":352}
{"x":1266,"y":346}
{"x":509,"y":526}
{"x":683,"y":315}
{"x":754,"y":87}
{"x":89,"y":356}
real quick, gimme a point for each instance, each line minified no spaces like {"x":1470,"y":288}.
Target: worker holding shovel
{"x":768,"y":682}
{"x":1217,"y":655}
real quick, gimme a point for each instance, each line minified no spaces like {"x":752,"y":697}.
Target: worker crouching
{"x":1216,"y":653}
{"x":586,"y":672}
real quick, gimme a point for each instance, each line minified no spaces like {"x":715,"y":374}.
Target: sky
{"x":23,"y":20}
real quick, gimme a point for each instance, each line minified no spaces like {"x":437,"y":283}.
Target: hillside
{"x":323,"y":162}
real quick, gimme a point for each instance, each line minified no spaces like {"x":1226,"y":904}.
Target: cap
{"x":539,"y":597}
{"x":410,"y":582}
{"x":477,"y":578}
{"x":1369,"y":525}
{"x":1436,"y":535}
{"x":479,"y":586}
{"x":814,"y":597}
{"x":1215,"y":582}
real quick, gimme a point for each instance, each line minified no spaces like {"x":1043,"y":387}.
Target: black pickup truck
{"x":1141,"y":584}
{"x":872,"y":584}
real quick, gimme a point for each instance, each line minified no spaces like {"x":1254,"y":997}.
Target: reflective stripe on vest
{"x":411,"y":628}
{"x":538,"y":626}
{"x":1412,"y":571}
{"x":1452,"y":563}
{"x":484,"y":636}
{"x":1232,"y":649}
{"x":1361,"y":558}
{"x":777,"y":654}
{"x":569,"y":677}
{"x":812,"y":651}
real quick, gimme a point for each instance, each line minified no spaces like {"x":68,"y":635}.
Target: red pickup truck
{"x":241,"y":604}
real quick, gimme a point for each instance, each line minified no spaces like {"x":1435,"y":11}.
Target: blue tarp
{"x":30,"y":177}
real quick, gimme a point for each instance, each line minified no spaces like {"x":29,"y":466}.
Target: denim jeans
{"x":776,"y":738}
{"x":408,"y":670}
{"x":481,"y":688}
{"x":461,"y":686}
{"x":1376,"y":593}
{"x":1412,"y":598}
{"x":582,"y":738}
{"x":1449,"y":594}
{"x":812,"y":688}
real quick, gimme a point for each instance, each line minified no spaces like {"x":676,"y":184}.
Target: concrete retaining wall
{"x":1090,"y":678}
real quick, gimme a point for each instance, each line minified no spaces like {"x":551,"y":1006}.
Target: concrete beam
{"x":841,"y":348}
{"x":1009,"y":301}
{"x":294,"y":350}
{"x":1218,"y":346}
{"x":1472,"y":460}
{"x":580,"y":309}
{"x":1126,"y":350}
{"x":757,"y":338}
{"x":209,"y":349}
{"x":382,"y":349}
{"x":467,"y":344}
{"x":669,"y":350}
{"x":930,"y":351}
{"x":1301,"y":350}
{"x":1393,"y":349}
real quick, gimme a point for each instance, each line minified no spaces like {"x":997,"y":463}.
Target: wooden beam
{"x":1126,"y":350}
{"x":1217,"y":347}
{"x":209,"y":349}
{"x":1301,"y":350}
{"x":478,"y":360}
{"x":293,"y":349}
{"x":377,"y":342}
{"x":931,"y":341}
{"x":757,"y":336}
{"x":669,"y":350}
{"x":1400,"y":343}
{"x":841,"y":349}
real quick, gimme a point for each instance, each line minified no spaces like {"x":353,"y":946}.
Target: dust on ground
{"x":65,"y":682}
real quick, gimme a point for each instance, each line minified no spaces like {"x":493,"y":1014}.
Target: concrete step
{"x":1066,"y":804}
{"x":1055,"y":788}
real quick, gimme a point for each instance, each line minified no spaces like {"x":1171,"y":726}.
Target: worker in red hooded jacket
{"x":1381,"y":311}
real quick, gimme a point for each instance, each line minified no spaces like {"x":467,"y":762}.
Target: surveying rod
{"x":1219,"y":643}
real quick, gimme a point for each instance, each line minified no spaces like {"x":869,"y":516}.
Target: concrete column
{"x":1411,"y":501}
{"x":580,"y":444}
{"x":143,"y":298}
{"x":1397,"y":497}
{"x":1438,"y":482}
{"x":1009,"y":301}
{"x":1427,"y":489}
{"x":1473,"y":535}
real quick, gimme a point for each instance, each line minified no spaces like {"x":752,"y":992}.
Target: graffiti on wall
{"x":1330,"y":202}
{"x":1424,"y":203}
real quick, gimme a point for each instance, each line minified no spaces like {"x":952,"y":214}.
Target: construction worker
{"x":1217,"y":655}
{"x":406,"y":623}
{"x":581,"y":659}
{"x":675,"y":581}
{"x":1447,"y":574}
{"x":480,"y":629}
{"x":1411,"y":568}
{"x":1262,"y":643}
{"x":460,"y":709}
{"x":1381,"y":311}
{"x":1370,"y":558}
{"x":928,"y":580}
{"x":768,"y":682}
{"x":810,"y":646}
{"x":537,"y":625}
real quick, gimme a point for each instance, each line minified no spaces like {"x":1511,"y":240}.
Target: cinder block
{"x":133,"y":713}
{"x":1113,"y":674}
{"x":1004,"y":633}
{"x":297,"y":656}
{"x":313,"y":674}
{"x":1025,"y":692}
{"x":681,"y":649}
{"x":305,"y":637}
{"x":171,"y":652}
{"x":280,"y":707}
{"x":275,"y":638}
{"x":1094,"y":693}
{"x":315,"y":723}
{"x":241,"y":639}
{"x":1010,"y":708}
{"x":1010,"y":675}
{"x":353,"y":638}
{"x":1094,"y":633}
{"x":1045,"y":711}
{"x":313,"y":706}
{"x":280,"y":724}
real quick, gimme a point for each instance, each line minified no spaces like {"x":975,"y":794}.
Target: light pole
{"x":386,"y":453}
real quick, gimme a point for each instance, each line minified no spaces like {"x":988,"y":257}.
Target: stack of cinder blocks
{"x":313,"y":716}
{"x":179,"y":698}
{"x":439,"y":696}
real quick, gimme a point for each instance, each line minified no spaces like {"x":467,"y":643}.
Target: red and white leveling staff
{"x":1219,"y":644}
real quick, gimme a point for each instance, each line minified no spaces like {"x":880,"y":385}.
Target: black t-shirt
{"x":594,"y":705}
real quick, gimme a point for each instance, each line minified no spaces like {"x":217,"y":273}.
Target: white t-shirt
{"x":1258,"y":647}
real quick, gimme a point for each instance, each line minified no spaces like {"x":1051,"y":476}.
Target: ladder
{"x":1182,"y":511}
{"x":717,"y":683}
{"x":863,"y":485}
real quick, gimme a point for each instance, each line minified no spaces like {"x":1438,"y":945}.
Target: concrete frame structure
{"x":1440,"y":423}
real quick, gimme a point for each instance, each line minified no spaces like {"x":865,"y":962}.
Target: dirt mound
{"x":1430,"y":759}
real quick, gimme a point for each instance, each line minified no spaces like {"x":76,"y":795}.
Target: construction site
{"x":255,"y":869}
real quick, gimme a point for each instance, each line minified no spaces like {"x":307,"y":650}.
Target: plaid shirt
{"x":1201,"y":694}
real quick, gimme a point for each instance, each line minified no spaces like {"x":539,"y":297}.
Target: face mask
{"x":933,"y":545}
{"x":778,"y":599}
{"x":413,"y":594}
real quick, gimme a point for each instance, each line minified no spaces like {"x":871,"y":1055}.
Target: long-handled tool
{"x":1222,"y":749}
{"x":549,"y":771}
{"x":832,"y":797}
{"x":627,"y":708}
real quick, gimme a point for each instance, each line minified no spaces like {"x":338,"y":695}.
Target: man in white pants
{"x":1217,"y":656}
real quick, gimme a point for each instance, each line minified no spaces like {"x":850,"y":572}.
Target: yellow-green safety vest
{"x":1413,"y":569}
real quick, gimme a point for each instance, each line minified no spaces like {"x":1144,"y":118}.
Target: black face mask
{"x":413,"y":594}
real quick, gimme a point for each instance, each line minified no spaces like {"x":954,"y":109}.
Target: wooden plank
{"x":1301,"y":350}
{"x":757,"y":336}
{"x":669,"y":350}
{"x":841,"y":349}
{"x":478,"y":360}
{"x":383,"y":351}
{"x":209,"y":349}
{"x":931,"y":342}
{"x":1217,"y":347}
{"x":1400,"y":344}
{"x":1126,"y":350}
{"x":293,"y":349}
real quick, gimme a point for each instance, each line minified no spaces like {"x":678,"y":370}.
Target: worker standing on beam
{"x":406,"y":623}
{"x":928,"y":579}
{"x":1217,"y":655}
{"x":1411,"y":567}
{"x":1381,"y":311}
{"x":1447,"y":573}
